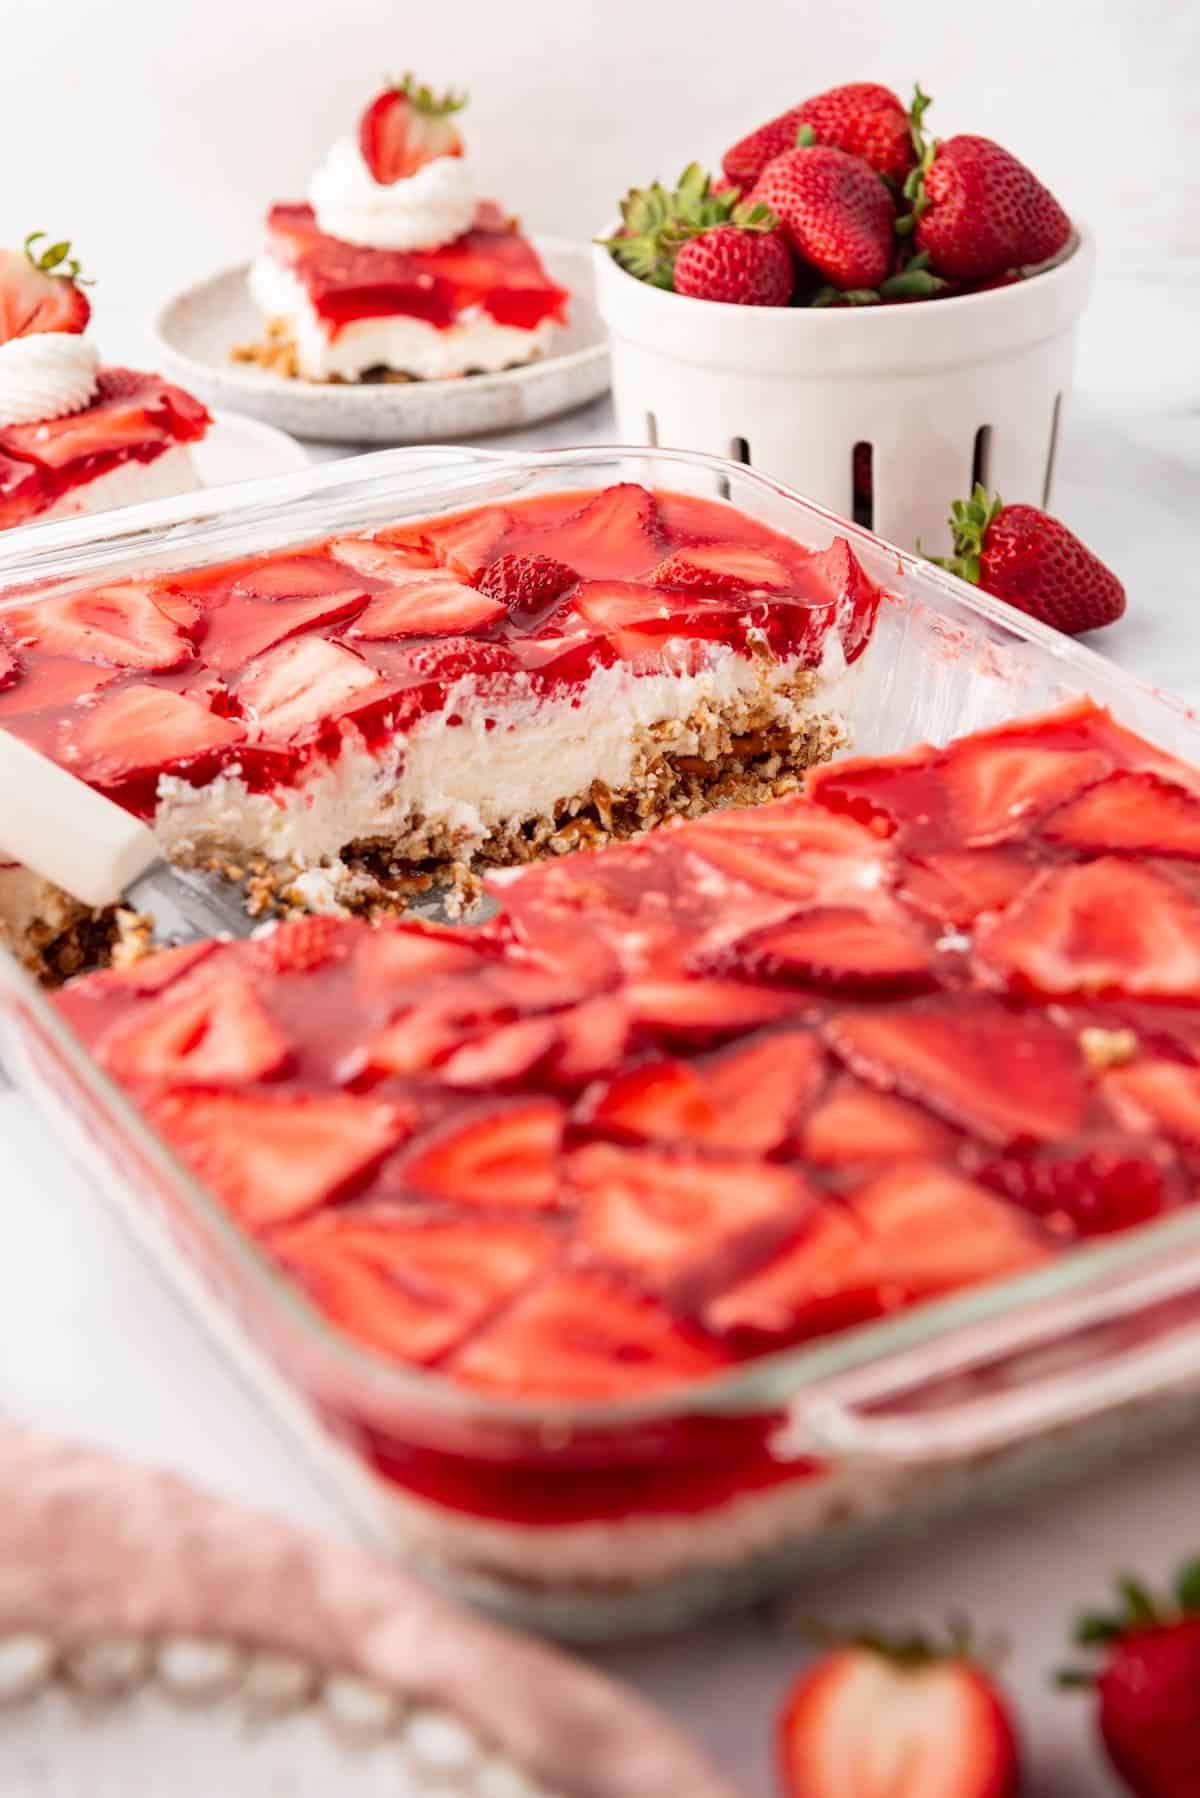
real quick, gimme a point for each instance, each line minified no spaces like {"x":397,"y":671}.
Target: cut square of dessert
{"x":396,"y":271}
{"x":77,"y":437}
{"x":740,"y":1085}
{"x":359,"y":716}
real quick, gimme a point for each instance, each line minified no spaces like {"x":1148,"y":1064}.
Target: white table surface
{"x":92,"y":1345}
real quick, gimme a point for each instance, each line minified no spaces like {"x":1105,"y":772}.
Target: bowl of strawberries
{"x":878,"y":317}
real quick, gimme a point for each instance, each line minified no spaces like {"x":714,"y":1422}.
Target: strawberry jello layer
{"x":129,"y":445}
{"x":491,"y":685}
{"x":481,"y":303}
{"x":750,"y":1081}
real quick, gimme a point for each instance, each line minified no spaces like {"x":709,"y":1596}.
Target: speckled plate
{"x":196,"y":331}
{"x":158,"y":1642}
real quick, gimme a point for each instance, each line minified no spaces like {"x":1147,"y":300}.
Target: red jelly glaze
{"x":225,"y":622}
{"x":491,"y":266}
{"x":591,"y":1151}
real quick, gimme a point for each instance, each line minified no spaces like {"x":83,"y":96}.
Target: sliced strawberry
{"x":153,"y":973}
{"x":10,"y":666}
{"x":301,"y":945}
{"x":935,"y":1231}
{"x":218,"y":1035}
{"x":995,"y":789}
{"x":1088,"y":1189}
{"x":953,"y":886}
{"x":502,"y":1056}
{"x":1157,"y":1095}
{"x":140,"y":729}
{"x":582,"y":1336}
{"x":760,"y":1090}
{"x":839,"y":947}
{"x":52,"y":686}
{"x":381,"y":561}
{"x":527,"y":584}
{"x":828,"y":1278}
{"x":1132,"y":812}
{"x":240,"y":630}
{"x":1008,"y":1076}
{"x":271,"y":1159}
{"x":404,"y":128}
{"x":395,"y":955}
{"x":637,"y":619}
{"x":466,"y":545}
{"x":665,"y":1100}
{"x":131,"y":412}
{"x":855,"y":1125}
{"x":293,"y":577}
{"x":592,"y":1040}
{"x":24,"y":491}
{"x":616,"y":535}
{"x":302,"y":684}
{"x":505,"y":1156}
{"x":836,"y":581}
{"x":426,"y":603}
{"x":1108,"y":926}
{"x":416,"y":1042}
{"x":120,"y":626}
{"x":696,"y":1010}
{"x":34,"y":299}
{"x":723,"y":568}
{"x":792,"y":849}
{"x":673,"y":1219}
{"x":412,"y":1287}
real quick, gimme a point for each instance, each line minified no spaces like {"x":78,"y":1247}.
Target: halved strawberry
{"x":501,"y":1056}
{"x":526,"y":584}
{"x":467,"y":544}
{"x":120,"y":626}
{"x":505,"y":1156}
{"x":141,"y":728}
{"x":672,"y":1218}
{"x":936,"y":1231}
{"x":412,"y":1287}
{"x":855,"y":1125}
{"x":273,"y":1158}
{"x":132,"y":412}
{"x":240,"y":630}
{"x":38,"y":292}
{"x":293,"y":577}
{"x":582,"y":1336}
{"x":405,"y":127}
{"x":616,"y":535}
{"x":220,"y":1034}
{"x":426,"y":603}
{"x":1091,"y":1188}
{"x":700,"y":1010}
{"x":828,"y":1278}
{"x":381,"y":561}
{"x":301,"y":945}
{"x":1157,"y":1095}
{"x":840,"y":947}
{"x":723,"y":568}
{"x":1008,"y":1076}
{"x":1108,"y":926}
{"x":953,"y":886}
{"x":1135,"y":812}
{"x":303,"y":684}
{"x":592,"y":1039}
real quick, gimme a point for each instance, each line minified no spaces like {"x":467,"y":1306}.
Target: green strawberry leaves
{"x":658,"y":221}
{"x":1138,"y":1610}
{"x":969,"y":523}
{"x":423,"y":99}
{"x":56,"y":259}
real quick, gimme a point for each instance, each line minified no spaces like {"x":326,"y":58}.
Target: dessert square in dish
{"x":396,"y":270}
{"x":354,"y":717}
{"x":755,"y":1079}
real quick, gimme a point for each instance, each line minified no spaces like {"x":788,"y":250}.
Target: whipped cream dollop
{"x":46,"y":375}
{"x":421,"y":212}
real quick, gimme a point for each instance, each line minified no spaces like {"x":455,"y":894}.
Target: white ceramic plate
{"x":242,"y":449}
{"x":197,"y":329}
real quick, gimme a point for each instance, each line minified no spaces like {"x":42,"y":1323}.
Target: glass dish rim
{"x":763,"y":1385}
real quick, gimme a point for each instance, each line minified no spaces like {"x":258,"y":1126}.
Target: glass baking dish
{"x":593,"y":1519}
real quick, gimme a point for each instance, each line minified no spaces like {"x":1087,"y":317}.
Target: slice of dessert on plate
{"x":395,"y":270}
{"x":354,"y":718}
{"x":76,"y":436}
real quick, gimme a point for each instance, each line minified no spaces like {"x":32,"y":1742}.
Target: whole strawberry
{"x":980,"y":212}
{"x":741,"y":265}
{"x":875,"y":1719}
{"x":657,"y":221}
{"x":1148,"y":1685}
{"x":835,"y":211}
{"x":861,"y":117}
{"x":1024,"y":556}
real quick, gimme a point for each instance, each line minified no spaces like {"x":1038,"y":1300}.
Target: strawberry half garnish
{"x":40,"y":291}
{"x":406,"y":126}
{"x":875,"y":1719}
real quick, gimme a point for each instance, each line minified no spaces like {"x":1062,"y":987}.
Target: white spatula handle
{"x":64,"y":831}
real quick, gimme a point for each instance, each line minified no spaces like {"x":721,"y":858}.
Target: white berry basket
{"x":945,"y":392}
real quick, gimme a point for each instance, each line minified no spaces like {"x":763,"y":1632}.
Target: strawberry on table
{"x":407,"y":126}
{"x":904,"y":1719}
{"x":1147,"y":1680}
{"x":1023,"y":555}
{"x":40,"y":291}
